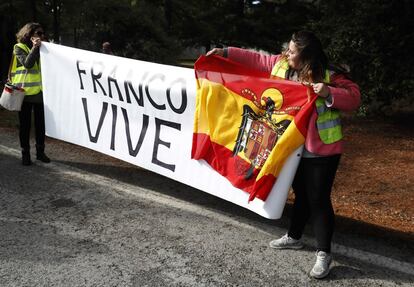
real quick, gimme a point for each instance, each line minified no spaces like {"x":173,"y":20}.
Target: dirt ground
{"x":375,"y":180}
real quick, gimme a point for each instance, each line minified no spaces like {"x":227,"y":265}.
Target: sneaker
{"x":286,"y":242}
{"x":321,"y":268}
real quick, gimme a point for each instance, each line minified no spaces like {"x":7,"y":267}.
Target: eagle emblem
{"x":258,"y":133}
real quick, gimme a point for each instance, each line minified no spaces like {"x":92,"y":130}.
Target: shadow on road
{"x":357,"y":232}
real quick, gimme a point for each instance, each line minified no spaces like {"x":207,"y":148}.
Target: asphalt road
{"x":85,"y":220}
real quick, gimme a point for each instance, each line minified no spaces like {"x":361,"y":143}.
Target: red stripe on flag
{"x":232,"y":167}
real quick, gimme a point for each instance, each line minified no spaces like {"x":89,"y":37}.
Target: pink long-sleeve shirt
{"x":344,"y":93}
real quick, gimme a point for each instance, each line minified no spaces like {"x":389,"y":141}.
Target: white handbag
{"x":12,"y":96}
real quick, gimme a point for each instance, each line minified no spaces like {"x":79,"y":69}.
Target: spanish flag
{"x":246,"y":124}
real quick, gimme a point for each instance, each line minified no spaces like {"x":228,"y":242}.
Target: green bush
{"x":376,"y":39}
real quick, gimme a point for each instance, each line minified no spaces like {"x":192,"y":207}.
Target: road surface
{"x":88,"y":220}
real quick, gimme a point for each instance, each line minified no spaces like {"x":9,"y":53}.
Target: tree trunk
{"x":8,"y":30}
{"x":240,"y":8}
{"x":168,"y":12}
{"x":56,"y":30}
{"x":34,"y":11}
{"x":75,"y":37}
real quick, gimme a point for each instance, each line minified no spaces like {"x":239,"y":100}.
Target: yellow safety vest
{"x":29,"y":79}
{"x":328,"y":122}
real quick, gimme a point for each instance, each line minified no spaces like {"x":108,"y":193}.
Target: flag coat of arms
{"x":246,"y":124}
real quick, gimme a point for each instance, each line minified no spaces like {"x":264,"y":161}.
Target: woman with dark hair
{"x":305,"y":61}
{"x":25,"y":72}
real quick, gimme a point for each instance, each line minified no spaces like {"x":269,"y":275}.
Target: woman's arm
{"x":27,"y":60}
{"x":255,"y":60}
{"x":344,"y":94}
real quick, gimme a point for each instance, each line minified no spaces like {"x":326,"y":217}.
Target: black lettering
{"x":79,"y":73}
{"x":153,"y":103}
{"x":128,"y":86}
{"x":94,"y":138}
{"x":114,"y":116}
{"x":95,"y":78}
{"x":183,"y":106}
{"x":158,"y":141}
{"x":113,"y":80}
{"x":145,"y":120}
{"x":141,"y":93}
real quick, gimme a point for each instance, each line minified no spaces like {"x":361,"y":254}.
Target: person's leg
{"x":25,"y":116}
{"x":300,"y":214}
{"x":39,"y":120}
{"x":301,"y":210}
{"x":319,"y":178}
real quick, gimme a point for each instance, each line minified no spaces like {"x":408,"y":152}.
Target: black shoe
{"x":43,"y":157}
{"x":26,"y":158}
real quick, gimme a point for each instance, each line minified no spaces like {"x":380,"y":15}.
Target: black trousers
{"x":312,"y":186}
{"x":25,"y":121}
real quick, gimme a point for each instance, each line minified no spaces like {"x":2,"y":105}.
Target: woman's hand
{"x":215,"y":51}
{"x":321,"y":89}
{"x":36,"y":41}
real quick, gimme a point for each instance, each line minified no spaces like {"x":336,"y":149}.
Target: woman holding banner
{"x":305,"y":61}
{"x":25,"y":72}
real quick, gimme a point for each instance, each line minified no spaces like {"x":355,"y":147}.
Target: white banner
{"x":139,"y":112}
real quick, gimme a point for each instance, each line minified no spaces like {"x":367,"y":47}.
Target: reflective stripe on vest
{"x":29,"y":79}
{"x":30,"y":71}
{"x":328,"y":121}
